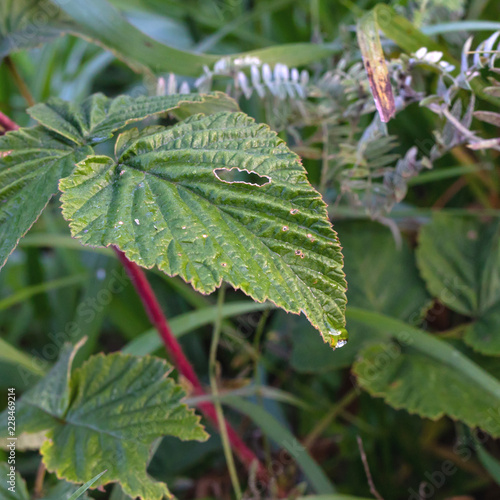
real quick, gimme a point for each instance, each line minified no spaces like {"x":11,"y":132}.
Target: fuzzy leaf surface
{"x":163,"y":201}
{"x":111,"y":409}
{"x":99,"y":116}
{"x":29,"y":175}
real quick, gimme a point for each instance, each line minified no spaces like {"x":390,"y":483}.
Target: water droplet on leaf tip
{"x":341,"y":343}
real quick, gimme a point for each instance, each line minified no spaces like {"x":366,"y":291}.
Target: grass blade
{"x":78,"y":493}
{"x":287,"y":440}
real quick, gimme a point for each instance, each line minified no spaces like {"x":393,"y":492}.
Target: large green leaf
{"x":110,"y":410}
{"x":381,"y":277}
{"x":426,"y":375}
{"x":459,"y":258}
{"x":420,"y":384}
{"x":164,"y":202}
{"x":39,"y":158}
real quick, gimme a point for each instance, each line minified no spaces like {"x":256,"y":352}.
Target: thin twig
{"x":373,"y":490}
{"x":21,"y":85}
{"x":40,"y":476}
{"x":178,"y":358}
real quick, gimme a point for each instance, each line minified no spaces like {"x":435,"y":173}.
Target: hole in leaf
{"x":236,"y":175}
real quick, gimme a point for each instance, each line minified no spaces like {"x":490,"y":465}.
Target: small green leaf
{"x":420,"y":384}
{"x":37,"y":158}
{"x":459,"y":258}
{"x":29,"y":174}
{"x":98,"y":116}
{"x":162,"y":202}
{"x":9,"y":491}
{"x":111,"y":410}
{"x":417,"y":371}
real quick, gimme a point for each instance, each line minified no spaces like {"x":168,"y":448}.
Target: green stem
{"x":427,"y":344}
{"x":212,"y":366}
{"x":256,"y":346}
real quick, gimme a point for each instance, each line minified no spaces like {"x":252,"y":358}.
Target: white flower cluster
{"x":433,"y":57}
{"x":281,"y":81}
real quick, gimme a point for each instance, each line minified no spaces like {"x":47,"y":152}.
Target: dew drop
{"x":183,"y":227}
{"x":136,"y":221}
{"x":294,"y":211}
{"x":223,"y":264}
{"x":205,"y":235}
{"x":120,"y":222}
{"x":285,"y":228}
{"x":341,"y":343}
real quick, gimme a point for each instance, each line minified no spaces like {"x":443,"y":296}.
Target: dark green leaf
{"x":163,"y":203}
{"x":381,"y":278}
{"x":98,"y":116}
{"x":111,"y":410}
{"x":459,"y":258}
{"x":38,"y":158}
{"x":28,"y":179}
{"x":420,"y":384}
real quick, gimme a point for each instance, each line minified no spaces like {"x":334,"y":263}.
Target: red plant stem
{"x":178,"y":358}
{"x":7,"y":124}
